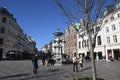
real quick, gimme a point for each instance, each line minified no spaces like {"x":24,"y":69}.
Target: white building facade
{"x":83,"y":46}
{"x":107,"y":40}
{"x":112,"y":34}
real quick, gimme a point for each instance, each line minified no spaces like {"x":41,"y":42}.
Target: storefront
{"x":113,"y":54}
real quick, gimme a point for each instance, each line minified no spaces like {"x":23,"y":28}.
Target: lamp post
{"x":58,"y":45}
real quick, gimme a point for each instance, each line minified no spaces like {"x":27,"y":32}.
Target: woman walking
{"x":81,"y":61}
{"x":75,"y":64}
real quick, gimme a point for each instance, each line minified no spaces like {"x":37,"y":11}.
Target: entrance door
{"x":100,"y":55}
{"x":1,"y":52}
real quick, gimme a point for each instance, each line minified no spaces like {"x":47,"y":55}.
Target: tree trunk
{"x":92,"y":58}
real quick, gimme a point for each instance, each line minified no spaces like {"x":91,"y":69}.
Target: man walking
{"x":35,"y":63}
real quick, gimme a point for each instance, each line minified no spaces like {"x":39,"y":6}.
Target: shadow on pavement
{"x":12,"y":76}
{"x":87,"y":68}
{"x":54,"y":70}
{"x":46,"y":74}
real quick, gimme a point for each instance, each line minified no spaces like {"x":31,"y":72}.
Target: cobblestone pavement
{"x":22,"y":70}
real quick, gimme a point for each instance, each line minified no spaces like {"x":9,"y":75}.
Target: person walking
{"x":81,"y":61}
{"x":48,"y":60}
{"x":75,"y":64}
{"x":43,"y":58}
{"x":35,"y":63}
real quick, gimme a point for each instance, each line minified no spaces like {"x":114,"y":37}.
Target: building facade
{"x":108,"y":38}
{"x":70,"y":45}
{"x":112,"y":31}
{"x":13,"y":42}
{"x":83,"y":44}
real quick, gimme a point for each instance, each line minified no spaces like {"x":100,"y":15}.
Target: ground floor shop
{"x":14,"y":55}
{"x":102,"y":53}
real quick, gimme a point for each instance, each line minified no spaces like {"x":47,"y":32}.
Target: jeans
{"x":75,"y":67}
{"x":35,"y":68}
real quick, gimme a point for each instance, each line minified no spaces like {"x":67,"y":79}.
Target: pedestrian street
{"x":22,"y":70}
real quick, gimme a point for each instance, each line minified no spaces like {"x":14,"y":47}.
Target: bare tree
{"x":90,"y":13}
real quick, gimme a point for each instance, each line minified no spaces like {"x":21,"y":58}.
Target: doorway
{"x":1,"y":52}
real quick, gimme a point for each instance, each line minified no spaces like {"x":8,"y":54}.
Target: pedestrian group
{"x":50,"y":61}
{"x":77,"y":61}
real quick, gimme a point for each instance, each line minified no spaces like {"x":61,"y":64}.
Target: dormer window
{"x":112,"y":18}
{"x":105,"y":12}
{"x":106,"y":21}
{"x":118,"y":15}
{"x":118,"y":6}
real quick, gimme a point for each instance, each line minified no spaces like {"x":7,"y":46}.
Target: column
{"x":112,"y":54}
{"x":106,"y":55}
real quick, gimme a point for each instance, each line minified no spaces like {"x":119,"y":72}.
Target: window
{"x":112,"y":18}
{"x":115,"y":38}
{"x":1,"y":41}
{"x":82,"y":44}
{"x":118,"y":15}
{"x":107,"y":29}
{"x":113,"y":27}
{"x":80,"y":35}
{"x":106,"y":21}
{"x":2,"y":29}
{"x":105,"y":12}
{"x":99,"y":40}
{"x":4,"y":19}
{"x":92,"y":31}
{"x":74,"y":36}
{"x":97,"y":28}
{"x":10,"y":22}
{"x":119,"y":24}
{"x":79,"y":45}
{"x":74,"y":43}
{"x":85,"y":43}
{"x":108,"y":40}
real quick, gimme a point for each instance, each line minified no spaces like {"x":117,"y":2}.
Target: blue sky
{"x":38,"y":18}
